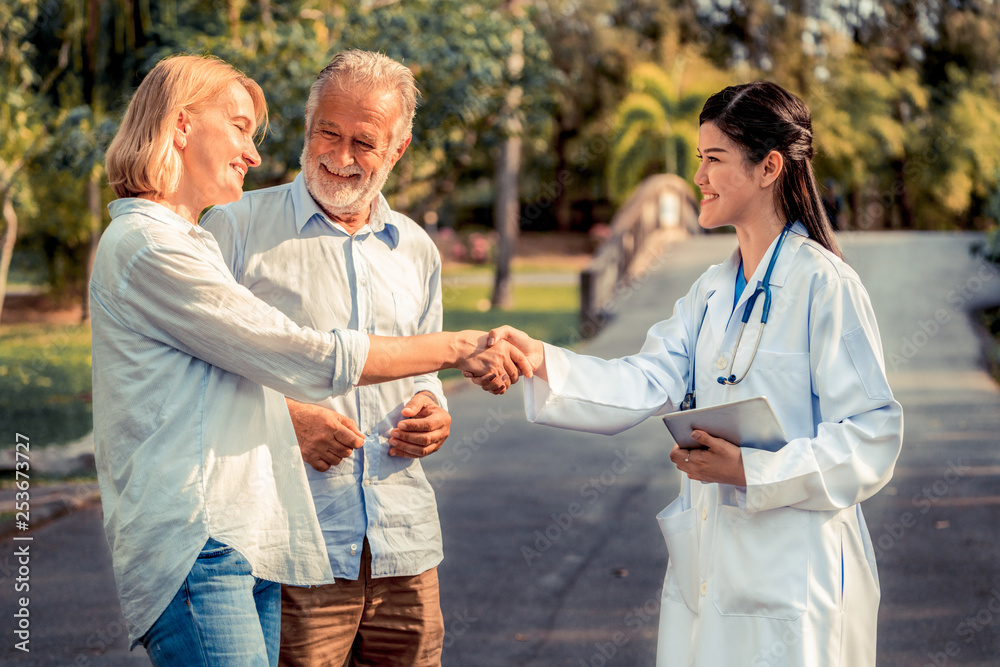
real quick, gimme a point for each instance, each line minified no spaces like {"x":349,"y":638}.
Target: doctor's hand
{"x":533,"y":351}
{"x":325,"y":437}
{"x":424,"y":428}
{"x":496,"y":366}
{"x":721,"y":462}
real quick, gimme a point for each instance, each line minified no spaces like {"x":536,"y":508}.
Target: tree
{"x":656,"y":128}
{"x":594,"y":44}
{"x":858,"y":136}
{"x":507,"y":203}
{"x":22,"y":133}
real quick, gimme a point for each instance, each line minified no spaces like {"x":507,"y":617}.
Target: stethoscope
{"x":765,"y":288}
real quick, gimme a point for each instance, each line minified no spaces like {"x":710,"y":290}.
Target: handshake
{"x":500,"y":357}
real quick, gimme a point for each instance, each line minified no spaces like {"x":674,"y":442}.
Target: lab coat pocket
{"x":678,"y":526}
{"x":762,"y":563}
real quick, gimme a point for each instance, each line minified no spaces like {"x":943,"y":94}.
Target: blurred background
{"x":546,"y":133}
{"x":579,"y":100}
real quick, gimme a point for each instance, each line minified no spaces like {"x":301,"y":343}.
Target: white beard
{"x":342,"y":199}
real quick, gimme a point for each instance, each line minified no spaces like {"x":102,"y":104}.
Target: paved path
{"x":552,"y":553}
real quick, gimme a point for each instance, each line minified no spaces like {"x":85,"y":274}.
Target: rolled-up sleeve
{"x":179,"y":297}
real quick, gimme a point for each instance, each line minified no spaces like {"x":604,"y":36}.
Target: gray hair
{"x":358,"y":70}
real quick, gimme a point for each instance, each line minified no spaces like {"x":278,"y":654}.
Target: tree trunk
{"x":90,"y":51}
{"x":506,"y":214}
{"x":563,"y":203}
{"x":95,"y":215}
{"x":265,"y":13}
{"x":7,"y":244}
{"x":854,"y":196}
{"x":233,"y":10}
{"x":507,"y":209}
{"x":902,"y":195}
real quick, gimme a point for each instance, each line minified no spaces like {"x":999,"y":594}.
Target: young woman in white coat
{"x":771,"y":562}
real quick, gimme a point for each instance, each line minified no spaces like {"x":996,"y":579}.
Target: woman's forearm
{"x":391,"y":358}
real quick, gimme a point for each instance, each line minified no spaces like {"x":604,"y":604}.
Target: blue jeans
{"x":222,"y":616}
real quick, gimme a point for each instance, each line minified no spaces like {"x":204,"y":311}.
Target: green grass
{"x":45,"y":383}
{"x":45,"y":370}
{"x":547,"y":312}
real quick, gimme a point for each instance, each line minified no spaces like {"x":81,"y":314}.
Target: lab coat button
{"x":704,"y":588}
{"x":704,"y":514}
{"x":721,"y":363}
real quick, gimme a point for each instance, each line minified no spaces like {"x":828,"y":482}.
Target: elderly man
{"x":328,"y":251}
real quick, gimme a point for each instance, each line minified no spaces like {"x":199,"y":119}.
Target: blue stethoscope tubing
{"x":764,"y":288}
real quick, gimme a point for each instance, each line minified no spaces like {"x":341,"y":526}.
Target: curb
{"x":47,"y":503}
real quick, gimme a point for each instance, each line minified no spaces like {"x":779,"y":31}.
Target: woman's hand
{"x":533,"y":349}
{"x":720,"y":462}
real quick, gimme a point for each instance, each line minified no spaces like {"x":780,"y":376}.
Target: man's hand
{"x":720,"y":461}
{"x":532,"y":352}
{"x":532,"y":349}
{"x":424,"y":429}
{"x":496,"y":366}
{"x":325,"y":437}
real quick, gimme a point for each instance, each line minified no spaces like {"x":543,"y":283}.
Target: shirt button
{"x":364,"y":282}
{"x":721,"y":364}
{"x":354,"y":549}
{"x":368,"y":482}
{"x":704,"y":588}
{"x":704,"y":514}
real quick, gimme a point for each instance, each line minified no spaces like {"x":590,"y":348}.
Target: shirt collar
{"x":380,"y":223}
{"x":153,"y":211}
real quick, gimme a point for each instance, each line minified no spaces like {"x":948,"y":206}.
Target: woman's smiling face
{"x":731,"y":190}
{"x":220,"y":149}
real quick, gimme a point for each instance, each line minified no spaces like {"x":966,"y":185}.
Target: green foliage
{"x":45,"y":382}
{"x":905,"y":96}
{"x":457,"y":51}
{"x":21,"y":112}
{"x":656,"y":125}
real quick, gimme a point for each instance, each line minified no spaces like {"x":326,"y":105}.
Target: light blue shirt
{"x":384,"y":280}
{"x":189,"y":443}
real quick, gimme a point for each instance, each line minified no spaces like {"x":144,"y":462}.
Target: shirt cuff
{"x":422,"y":383}
{"x":537,"y":392}
{"x":752,"y":497}
{"x":351,"y":351}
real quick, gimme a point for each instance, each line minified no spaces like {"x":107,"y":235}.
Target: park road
{"x":552,"y":553}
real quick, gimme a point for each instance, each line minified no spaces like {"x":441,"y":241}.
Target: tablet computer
{"x":747,"y":423}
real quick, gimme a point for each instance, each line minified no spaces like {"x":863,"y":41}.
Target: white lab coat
{"x":782,"y":572}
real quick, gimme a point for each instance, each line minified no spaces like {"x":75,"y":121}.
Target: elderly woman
{"x":205,"y":497}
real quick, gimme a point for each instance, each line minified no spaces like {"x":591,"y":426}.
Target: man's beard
{"x":342,"y":199}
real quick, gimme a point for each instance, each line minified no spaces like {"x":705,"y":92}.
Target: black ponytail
{"x":762,"y":117}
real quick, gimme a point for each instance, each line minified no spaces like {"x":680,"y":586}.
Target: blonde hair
{"x":141,"y":159}
{"x":365,"y":71}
